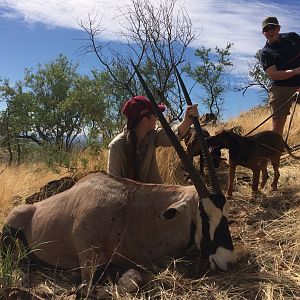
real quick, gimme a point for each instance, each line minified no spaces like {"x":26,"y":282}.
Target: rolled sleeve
{"x":162,"y":139}
{"x":113,"y":162}
{"x":117,"y":161}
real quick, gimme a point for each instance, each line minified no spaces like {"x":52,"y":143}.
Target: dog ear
{"x":237,"y":129}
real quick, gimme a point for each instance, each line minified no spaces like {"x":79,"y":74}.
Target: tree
{"x":99,"y":101}
{"x":257,"y":78}
{"x":210,"y":74}
{"x":51,"y":87}
{"x":64,"y":102}
{"x":155,"y":38}
{"x":15,"y":120}
{"x":5,"y":136}
{"x":113,"y":120}
{"x":58,"y":104}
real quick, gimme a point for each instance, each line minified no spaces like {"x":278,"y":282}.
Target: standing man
{"x":280,"y":58}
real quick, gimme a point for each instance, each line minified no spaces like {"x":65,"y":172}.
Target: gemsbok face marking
{"x":215,"y":242}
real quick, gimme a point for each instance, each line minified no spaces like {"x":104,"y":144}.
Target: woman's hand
{"x":190,"y":112}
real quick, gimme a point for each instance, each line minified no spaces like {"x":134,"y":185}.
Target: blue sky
{"x":35,"y":31}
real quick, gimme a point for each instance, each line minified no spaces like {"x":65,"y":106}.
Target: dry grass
{"x":265,"y":230}
{"x":249,"y":120}
{"x":21,"y":181}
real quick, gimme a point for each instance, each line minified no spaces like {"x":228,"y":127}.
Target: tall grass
{"x":12,"y":257}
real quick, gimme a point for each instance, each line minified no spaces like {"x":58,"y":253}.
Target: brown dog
{"x":252,"y":152}
{"x":193,"y":148}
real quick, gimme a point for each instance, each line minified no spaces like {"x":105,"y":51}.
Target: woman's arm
{"x":190,"y":112}
{"x":116,"y":161}
{"x":162,"y":139}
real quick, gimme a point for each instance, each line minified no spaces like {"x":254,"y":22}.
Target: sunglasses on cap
{"x":269,"y":28}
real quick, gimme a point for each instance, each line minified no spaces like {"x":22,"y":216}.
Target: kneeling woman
{"x":132,"y":153}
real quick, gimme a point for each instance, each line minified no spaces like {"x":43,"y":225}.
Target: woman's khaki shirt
{"x":146,"y":154}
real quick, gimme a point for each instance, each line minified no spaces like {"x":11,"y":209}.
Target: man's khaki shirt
{"x":146,"y":154}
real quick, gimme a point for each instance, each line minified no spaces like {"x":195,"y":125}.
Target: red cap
{"x":138,"y":107}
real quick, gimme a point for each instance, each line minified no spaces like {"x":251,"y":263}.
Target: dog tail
{"x":289,"y":151}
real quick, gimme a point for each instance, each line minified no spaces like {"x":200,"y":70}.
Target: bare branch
{"x":155,"y":37}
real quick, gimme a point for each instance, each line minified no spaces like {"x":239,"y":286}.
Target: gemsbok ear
{"x":173,"y":210}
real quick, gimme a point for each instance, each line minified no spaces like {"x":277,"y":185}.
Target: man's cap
{"x":269,"y":21}
{"x":138,"y":107}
